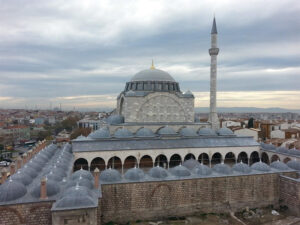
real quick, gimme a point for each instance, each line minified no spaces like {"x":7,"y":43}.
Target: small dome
{"x":166,"y":131}
{"x":123,"y":133}
{"x":241,"y":168}
{"x":188,"y":132}
{"x":190,"y":163}
{"x":12,"y":190}
{"x":180,"y":171}
{"x":260,"y":166}
{"x":51,"y":186}
{"x":80,"y":138}
{"x":81,"y":182}
{"x":35,"y":165}
{"x":294,"y":164}
{"x":54,"y":176}
{"x":267,"y":146}
{"x":279,"y":165}
{"x":158,"y":172}
{"x":101,"y":133}
{"x":202,"y":170}
{"x":76,"y":197}
{"x":110,"y":175}
{"x":115,"y":119}
{"x":294,"y":152}
{"x":225,"y":132}
{"x":56,"y":170}
{"x":144,"y":132}
{"x":22,"y":177}
{"x":134,"y":174}
{"x":30,"y":171}
{"x":188,"y":93}
{"x":222,"y":169}
{"x":152,"y":75}
{"x":83,"y":173}
{"x":207,"y":132}
{"x":282,"y":150}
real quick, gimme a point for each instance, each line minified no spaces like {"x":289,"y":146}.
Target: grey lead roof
{"x":143,"y":144}
{"x":214,"y":27}
{"x":152,"y":75}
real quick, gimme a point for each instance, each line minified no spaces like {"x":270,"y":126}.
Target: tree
{"x":80,"y":131}
{"x":70,"y":123}
{"x":251,"y":123}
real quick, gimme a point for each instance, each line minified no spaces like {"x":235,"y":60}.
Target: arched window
{"x":265,"y":158}
{"x":97,"y":163}
{"x":175,"y":160}
{"x":115,"y":163}
{"x":81,"y":163}
{"x":254,"y":157}
{"x":189,"y":156}
{"x":161,"y":161}
{"x":275,"y":158}
{"x":204,"y":158}
{"x":130,"y":162}
{"x":229,"y":158}
{"x":243,"y":157}
{"x":146,"y":162}
{"x":216,"y":158}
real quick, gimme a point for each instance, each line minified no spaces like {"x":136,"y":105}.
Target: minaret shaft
{"x":213,"y":51}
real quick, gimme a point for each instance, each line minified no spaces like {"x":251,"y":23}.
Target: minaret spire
{"x":213,"y":52}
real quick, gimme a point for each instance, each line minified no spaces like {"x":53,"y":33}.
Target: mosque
{"x":151,"y":159}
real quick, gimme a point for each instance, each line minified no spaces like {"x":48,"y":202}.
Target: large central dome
{"x":152,"y":74}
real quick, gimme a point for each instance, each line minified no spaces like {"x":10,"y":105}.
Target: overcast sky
{"x":81,"y":53}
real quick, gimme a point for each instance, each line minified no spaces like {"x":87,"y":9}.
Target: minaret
{"x":213,"y":51}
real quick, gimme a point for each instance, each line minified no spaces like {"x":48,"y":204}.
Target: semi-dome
{"x":152,"y":75}
{"x":224,"y":131}
{"x":134,"y":174}
{"x":12,"y":190}
{"x":222,"y":169}
{"x":101,"y":133}
{"x":110,"y":175}
{"x":76,"y":197}
{"x":51,"y":186}
{"x":22,"y":177}
{"x":207,"y":132}
{"x":81,"y":182}
{"x":241,"y":168}
{"x":202,"y":170}
{"x":188,"y":132}
{"x":123,"y":133}
{"x":261,"y":166}
{"x":294,"y":164}
{"x":83,"y":173}
{"x":279,"y":165}
{"x":158,"y":172}
{"x":190,"y":163}
{"x":166,"y":131}
{"x":115,"y":119}
{"x":144,"y":132}
{"x":180,"y":171}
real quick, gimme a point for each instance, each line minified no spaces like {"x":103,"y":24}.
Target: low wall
{"x":28,"y":213}
{"x":290,"y":194}
{"x":155,"y":200}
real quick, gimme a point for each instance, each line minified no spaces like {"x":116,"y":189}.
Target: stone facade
{"x":38,"y":213}
{"x":86,"y":216}
{"x":155,"y":200}
{"x":290,"y":193}
{"x":156,"y":107}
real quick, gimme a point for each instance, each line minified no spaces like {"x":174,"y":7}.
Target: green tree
{"x":80,"y":131}
{"x":251,"y":123}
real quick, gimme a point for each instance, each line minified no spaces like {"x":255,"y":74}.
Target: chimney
{"x":24,"y":158}
{"x":96,"y":178}
{"x":12,"y":169}
{"x":43,"y":189}
{"x":19,"y":163}
{"x":4,"y":176}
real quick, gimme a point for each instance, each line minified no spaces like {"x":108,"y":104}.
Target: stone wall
{"x":155,"y":200}
{"x":30,"y":214}
{"x":290,"y":194}
{"x":156,"y":107}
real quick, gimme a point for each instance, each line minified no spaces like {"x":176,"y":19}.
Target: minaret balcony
{"x":213,"y":51}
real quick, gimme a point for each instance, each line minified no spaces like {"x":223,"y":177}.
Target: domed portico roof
{"x":152,"y":74}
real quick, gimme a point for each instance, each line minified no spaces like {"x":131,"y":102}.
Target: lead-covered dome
{"x":152,"y":75}
{"x":188,"y":132}
{"x":261,"y":166}
{"x":134,"y":174}
{"x":207,"y":132}
{"x":279,"y":165}
{"x":202,"y":170}
{"x":241,"y":168}
{"x":180,"y":171}
{"x":190,"y":163}
{"x":110,"y":175}
{"x":158,"y":172}
{"x":12,"y":190}
{"x":222,"y":169}
{"x":166,"y":131}
{"x":144,"y":132}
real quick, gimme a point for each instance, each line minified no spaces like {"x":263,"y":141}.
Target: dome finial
{"x":152,"y":66}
